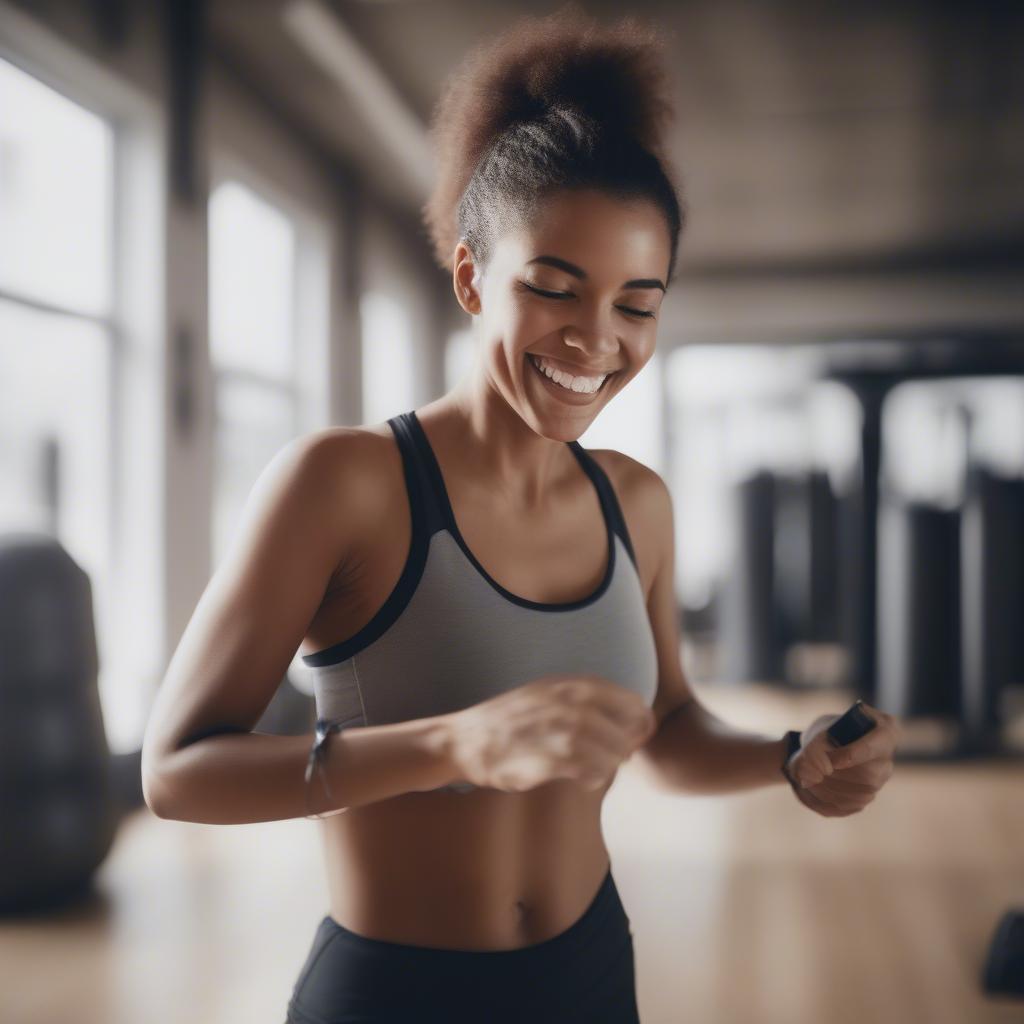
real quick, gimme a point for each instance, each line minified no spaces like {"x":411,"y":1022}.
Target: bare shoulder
{"x":337,"y":479}
{"x":300,"y":523}
{"x":646,"y":506}
{"x":349,"y":462}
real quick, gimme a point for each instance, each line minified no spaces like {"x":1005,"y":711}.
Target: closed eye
{"x":642,"y":313}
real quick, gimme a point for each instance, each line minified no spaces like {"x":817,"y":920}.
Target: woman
{"x":488,"y":608}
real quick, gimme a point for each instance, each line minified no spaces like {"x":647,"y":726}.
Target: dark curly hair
{"x":555,"y":102}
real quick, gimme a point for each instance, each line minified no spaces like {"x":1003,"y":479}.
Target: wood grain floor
{"x":744,"y":908}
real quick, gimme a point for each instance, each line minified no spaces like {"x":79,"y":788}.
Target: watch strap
{"x":792,"y":739}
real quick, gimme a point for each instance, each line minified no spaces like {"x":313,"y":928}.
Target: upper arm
{"x":257,"y":606}
{"x":654,"y":503}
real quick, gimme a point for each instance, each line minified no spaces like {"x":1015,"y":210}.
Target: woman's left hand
{"x":837,"y":781}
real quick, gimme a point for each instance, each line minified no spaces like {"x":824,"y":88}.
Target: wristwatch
{"x":792,"y":739}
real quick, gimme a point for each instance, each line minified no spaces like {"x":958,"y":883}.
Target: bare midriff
{"x":484,"y":869}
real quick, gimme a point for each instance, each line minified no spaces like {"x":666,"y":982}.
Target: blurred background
{"x":210,"y":244}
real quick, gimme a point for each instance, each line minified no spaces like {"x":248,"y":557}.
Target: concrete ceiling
{"x":810,"y":136}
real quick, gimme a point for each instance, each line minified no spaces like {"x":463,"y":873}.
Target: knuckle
{"x":572,"y":746}
{"x":566,"y":690}
{"x":561,"y":721}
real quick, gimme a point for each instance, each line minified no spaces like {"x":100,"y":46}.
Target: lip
{"x":562,"y":394}
{"x":576,"y":371}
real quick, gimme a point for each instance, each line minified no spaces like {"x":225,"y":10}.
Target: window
{"x":58,"y":353}
{"x":252,"y":345}
{"x":736,"y":409}
{"x":934,"y":431}
{"x":388,"y":357}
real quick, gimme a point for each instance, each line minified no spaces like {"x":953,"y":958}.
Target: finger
{"x":837,"y":784}
{"x":875,"y":772}
{"x":812,"y":765}
{"x":618,"y":739}
{"x":845,"y":800}
{"x":839,"y":804}
{"x":822,"y":808}
{"x":591,"y":764}
{"x":878,"y":743}
{"x":622,"y":706}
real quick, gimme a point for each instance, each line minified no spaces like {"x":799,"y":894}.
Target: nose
{"x":592,"y":334}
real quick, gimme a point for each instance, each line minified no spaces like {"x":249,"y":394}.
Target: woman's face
{"x":578,"y":291}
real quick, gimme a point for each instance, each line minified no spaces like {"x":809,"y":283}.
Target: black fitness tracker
{"x":792,"y":739}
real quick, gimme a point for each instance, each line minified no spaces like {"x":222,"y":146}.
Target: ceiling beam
{"x":330,"y":44}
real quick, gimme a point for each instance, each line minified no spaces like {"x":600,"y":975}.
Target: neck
{"x":494,"y":446}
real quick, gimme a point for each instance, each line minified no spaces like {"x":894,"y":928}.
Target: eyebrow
{"x":571,"y":268}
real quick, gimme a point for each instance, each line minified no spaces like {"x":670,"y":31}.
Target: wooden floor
{"x":745,"y":908}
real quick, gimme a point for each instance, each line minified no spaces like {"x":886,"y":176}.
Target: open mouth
{"x":532,"y":360}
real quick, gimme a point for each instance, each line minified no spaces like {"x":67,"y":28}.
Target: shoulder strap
{"x":422,"y":497}
{"x":606,"y":494}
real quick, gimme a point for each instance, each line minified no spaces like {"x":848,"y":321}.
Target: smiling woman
{"x":471,"y":601}
{"x":556,"y":211}
{"x":558,"y":221}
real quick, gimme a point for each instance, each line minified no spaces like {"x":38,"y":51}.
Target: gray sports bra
{"x":449,"y":636}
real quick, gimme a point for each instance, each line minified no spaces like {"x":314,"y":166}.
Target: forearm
{"x":241,"y":777}
{"x":695,"y":752}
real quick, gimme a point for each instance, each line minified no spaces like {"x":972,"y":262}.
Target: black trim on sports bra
{"x":443,"y":501}
{"x":430,"y":511}
{"x":610,"y":501}
{"x":416,"y":489}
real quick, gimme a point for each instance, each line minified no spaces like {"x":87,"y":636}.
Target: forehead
{"x":603,"y":234}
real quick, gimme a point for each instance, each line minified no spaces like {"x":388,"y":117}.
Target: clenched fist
{"x":836,"y":781}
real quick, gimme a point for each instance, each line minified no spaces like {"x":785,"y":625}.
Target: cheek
{"x":512,"y":338}
{"x":526,"y":326}
{"x":639,"y":353}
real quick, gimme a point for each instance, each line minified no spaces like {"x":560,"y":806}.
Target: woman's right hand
{"x":562,"y":726}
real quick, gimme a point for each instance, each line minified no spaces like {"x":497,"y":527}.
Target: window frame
{"x":133,"y":325}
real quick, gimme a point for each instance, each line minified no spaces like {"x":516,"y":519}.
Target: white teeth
{"x":586,"y":385}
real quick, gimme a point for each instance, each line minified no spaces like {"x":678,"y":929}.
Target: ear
{"x":466,"y":279}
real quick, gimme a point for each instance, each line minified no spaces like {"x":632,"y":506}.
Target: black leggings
{"x":583,"y":974}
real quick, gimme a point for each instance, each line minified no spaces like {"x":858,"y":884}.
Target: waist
{"x":542,"y":927}
{"x":506,"y":880}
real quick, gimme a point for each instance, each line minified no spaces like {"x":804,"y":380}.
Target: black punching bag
{"x":58,"y":813}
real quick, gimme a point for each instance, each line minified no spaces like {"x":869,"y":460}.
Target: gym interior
{"x":210,"y":244}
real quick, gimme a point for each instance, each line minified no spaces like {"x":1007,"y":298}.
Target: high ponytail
{"x":558,"y":102}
